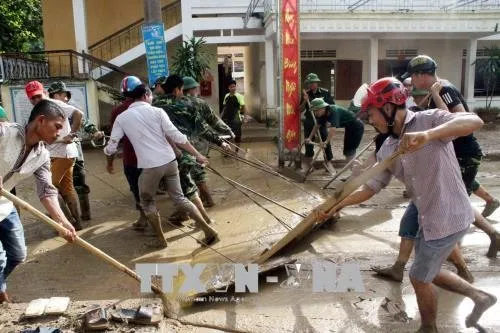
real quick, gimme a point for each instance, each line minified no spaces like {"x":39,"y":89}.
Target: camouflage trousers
{"x":469,"y":166}
{"x":198,"y":173}
{"x":186,"y":164}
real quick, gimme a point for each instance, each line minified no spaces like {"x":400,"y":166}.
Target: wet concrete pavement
{"x":366,"y":235}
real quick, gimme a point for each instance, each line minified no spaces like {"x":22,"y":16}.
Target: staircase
{"x":59,"y":64}
{"x":131,"y":36}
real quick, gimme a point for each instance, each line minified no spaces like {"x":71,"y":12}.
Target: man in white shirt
{"x":63,"y":151}
{"x":149,"y":130}
{"x":22,"y":154}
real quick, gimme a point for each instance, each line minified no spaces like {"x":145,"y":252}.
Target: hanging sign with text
{"x":156,"y":51}
{"x":290,"y":67}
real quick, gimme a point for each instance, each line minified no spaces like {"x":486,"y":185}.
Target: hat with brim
{"x":420,"y":64}
{"x":159,"y":81}
{"x":33,"y":88}
{"x":317,"y":104}
{"x":3,"y":114}
{"x":59,"y":87}
{"x":189,"y":83}
{"x":312,"y":78}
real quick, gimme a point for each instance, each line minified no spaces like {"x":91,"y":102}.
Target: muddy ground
{"x":366,"y":234}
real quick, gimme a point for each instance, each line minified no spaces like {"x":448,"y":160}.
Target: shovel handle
{"x":78,"y":241}
{"x":348,"y":164}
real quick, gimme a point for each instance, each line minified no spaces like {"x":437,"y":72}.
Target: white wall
{"x":446,"y":52}
{"x":346,"y":50}
{"x":214,"y":99}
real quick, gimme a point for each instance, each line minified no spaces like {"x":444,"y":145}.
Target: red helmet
{"x":383,"y":91}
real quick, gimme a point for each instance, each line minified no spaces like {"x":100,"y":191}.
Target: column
{"x":373,"y":59}
{"x":270,"y":74}
{"x":187,"y":22}
{"x":470,"y":71}
{"x":80,"y":25}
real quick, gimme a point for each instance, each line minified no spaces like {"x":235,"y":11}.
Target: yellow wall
{"x":58,"y":26}
{"x":107,"y":17}
{"x":104,"y":17}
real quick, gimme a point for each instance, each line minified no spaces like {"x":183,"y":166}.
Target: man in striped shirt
{"x":430,"y":171}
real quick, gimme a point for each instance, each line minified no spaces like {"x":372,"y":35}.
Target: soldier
{"x":182,"y":111}
{"x":198,"y":173}
{"x":330,"y":117}
{"x":314,"y":91}
{"x":151,"y":133}
{"x":57,"y":90}
{"x":234,"y":111}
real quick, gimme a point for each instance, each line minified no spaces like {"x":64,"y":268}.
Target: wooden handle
{"x":328,"y":206}
{"x":348,"y":164}
{"x":80,"y":242}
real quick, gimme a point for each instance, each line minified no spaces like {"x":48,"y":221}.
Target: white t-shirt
{"x":147,"y":128}
{"x":63,"y":150}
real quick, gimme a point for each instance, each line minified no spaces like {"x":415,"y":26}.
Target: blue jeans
{"x":12,"y":246}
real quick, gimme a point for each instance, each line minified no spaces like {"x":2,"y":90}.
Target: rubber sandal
{"x":143,"y":315}
{"x":96,"y":319}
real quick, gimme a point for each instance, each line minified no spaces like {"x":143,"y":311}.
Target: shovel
{"x":329,"y":207}
{"x":349,"y":164}
{"x":170,"y":306}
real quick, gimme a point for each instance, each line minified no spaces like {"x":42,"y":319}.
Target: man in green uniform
{"x":183,"y":114}
{"x":198,"y":173}
{"x":329,"y":117}
{"x":234,"y":111}
{"x":314,"y":91}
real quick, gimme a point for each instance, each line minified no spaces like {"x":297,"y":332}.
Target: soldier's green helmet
{"x":189,"y":83}
{"x":318,"y":103}
{"x":58,"y":87}
{"x":312,"y":78}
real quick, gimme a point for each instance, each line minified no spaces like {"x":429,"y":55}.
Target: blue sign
{"x":156,"y":50}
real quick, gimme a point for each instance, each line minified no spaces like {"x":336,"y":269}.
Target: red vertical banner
{"x":290,"y":67}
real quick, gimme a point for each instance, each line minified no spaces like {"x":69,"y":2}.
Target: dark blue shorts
{"x":408,"y":227}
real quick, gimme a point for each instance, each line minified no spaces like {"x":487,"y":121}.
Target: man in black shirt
{"x":422,"y":70}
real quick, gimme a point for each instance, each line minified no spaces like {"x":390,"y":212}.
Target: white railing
{"x":401,"y":6}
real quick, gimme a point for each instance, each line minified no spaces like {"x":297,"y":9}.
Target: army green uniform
{"x":339,"y":117}
{"x":198,"y":173}
{"x":308,"y":121}
{"x":184,"y":115}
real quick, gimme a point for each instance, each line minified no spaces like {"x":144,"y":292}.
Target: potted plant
{"x":192,"y":59}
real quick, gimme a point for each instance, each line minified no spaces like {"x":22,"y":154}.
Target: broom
{"x":171,"y":306}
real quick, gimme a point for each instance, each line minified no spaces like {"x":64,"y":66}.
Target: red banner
{"x":290,"y":67}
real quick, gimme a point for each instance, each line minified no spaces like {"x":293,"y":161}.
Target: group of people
{"x":164,"y":137}
{"x":156,"y":135}
{"x":320,"y":116}
{"x":440,"y":160}
{"x":49,"y":147}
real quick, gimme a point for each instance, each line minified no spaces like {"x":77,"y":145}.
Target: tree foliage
{"x":191,"y":59}
{"x":21,"y":25}
{"x":490,"y":69}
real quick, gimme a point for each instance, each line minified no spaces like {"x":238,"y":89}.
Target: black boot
{"x":84,"y":206}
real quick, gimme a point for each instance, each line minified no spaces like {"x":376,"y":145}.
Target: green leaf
{"x":20,"y":25}
{"x":192,"y":59}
